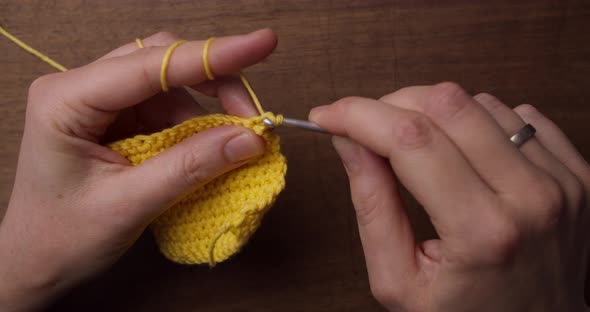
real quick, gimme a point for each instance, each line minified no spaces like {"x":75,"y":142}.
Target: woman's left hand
{"x":76,"y":205}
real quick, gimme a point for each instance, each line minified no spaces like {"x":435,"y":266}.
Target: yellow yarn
{"x":139,"y":43}
{"x":208,"y":70}
{"x":30,"y":49}
{"x":166,"y":62}
{"x":215,"y":220}
{"x":278,"y":119}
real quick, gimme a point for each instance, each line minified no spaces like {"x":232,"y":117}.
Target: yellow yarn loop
{"x":208,"y":70}
{"x":277,"y":120}
{"x":166,"y":62}
{"x":214,"y":221}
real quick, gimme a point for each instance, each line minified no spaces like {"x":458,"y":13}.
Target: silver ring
{"x":524,"y":134}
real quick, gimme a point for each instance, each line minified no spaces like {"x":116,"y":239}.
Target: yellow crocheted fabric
{"x":214,"y":221}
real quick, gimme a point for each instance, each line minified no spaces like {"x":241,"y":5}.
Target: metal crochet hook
{"x":296,"y":123}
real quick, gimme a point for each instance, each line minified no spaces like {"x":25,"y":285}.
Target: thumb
{"x":158,"y":181}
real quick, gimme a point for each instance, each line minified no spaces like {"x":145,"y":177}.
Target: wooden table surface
{"x":307,"y":255}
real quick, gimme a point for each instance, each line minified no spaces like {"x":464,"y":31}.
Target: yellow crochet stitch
{"x":215,"y":220}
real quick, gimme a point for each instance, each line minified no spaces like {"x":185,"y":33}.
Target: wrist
{"x":23,"y":286}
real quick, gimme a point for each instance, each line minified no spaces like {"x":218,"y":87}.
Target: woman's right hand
{"x":512,"y":223}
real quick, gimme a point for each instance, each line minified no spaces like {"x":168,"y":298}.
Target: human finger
{"x":230,"y":90}
{"x":533,"y":149}
{"x":384,"y":227}
{"x":232,"y":94}
{"x":168,"y":109}
{"x":193,"y":162}
{"x":163,"y":38}
{"x":85,"y":101}
{"x":179,"y":104}
{"x":549,"y":134}
{"x":423,"y":158}
{"x":476,"y":134}
{"x":139,"y":71}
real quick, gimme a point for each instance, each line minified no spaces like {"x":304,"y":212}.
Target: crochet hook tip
{"x":296,"y":123}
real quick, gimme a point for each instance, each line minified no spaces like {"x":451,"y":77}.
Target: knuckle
{"x":551,"y":207}
{"x":446,"y":100}
{"x":389,"y":97}
{"x":576,"y":191}
{"x":527,"y":110}
{"x":584,"y":176}
{"x":485,"y":97}
{"x":488,"y":101}
{"x":413,"y":132}
{"x":147,"y":68}
{"x":164,"y":37}
{"x":41,"y":85}
{"x":544,"y":202}
{"x":576,"y":196}
{"x":368,"y":207}
{"x":503,"y":239}
{"x":584,"y":173}
{"x":42,"y":96}
{"x":384,"y":294}
{"x":348,"y":101}
{"x":544,"y":185}
{"x":349,"y":106}
{"x":191,"y":168}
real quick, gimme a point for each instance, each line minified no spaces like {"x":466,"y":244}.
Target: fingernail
{"x":316,"y":112}
{"x":243,"y":146}
{"x":349,"y":152}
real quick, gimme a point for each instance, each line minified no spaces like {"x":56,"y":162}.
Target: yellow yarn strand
{"x":277,"y":119}
{"x":208,"y":70}
{"x":224,"y":229}
{"x":31,"y":50}
{"x":139,"y":43}
{"x":166,"y":62}
{"x":252,"y":94}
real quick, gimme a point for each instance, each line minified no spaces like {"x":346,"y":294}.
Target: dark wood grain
{"x":307,"y":255}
